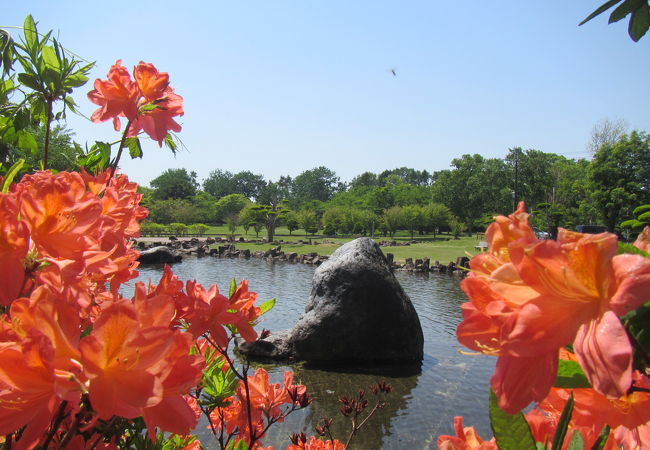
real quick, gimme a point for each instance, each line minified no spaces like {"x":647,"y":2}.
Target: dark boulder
{"x":159,"y":255}
{"x":357,"y":312}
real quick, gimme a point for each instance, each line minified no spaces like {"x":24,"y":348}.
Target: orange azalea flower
{"x":170,"y":285}
{"x":117,"y":96}
{"x":234,"y":418}
{"x":466,"y":439}
{"x":158,"y":122}
{"x":120,"y":96}
{"x":14,"y":244}
{"x":643,"y":240}
{"x":529,"y":298}
{"x":174,"y":414}
{"x":60,"y":214}
{"x":123,"y":362}
{"x":269,"y":397}
{"x":628,"y":416}
{"x":40,"y":365}
{"x":152,"y":84}
{"x":27,"y":388}
{"x":243,"y":301}
{"x":314,"y":443}
{"x":210,"y":312}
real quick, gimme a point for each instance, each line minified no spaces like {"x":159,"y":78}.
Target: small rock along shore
{"x":223,"y":248}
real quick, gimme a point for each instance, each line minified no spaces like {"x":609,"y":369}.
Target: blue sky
{"x":279,"y":87}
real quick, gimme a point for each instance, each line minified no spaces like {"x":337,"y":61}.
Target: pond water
{"x":420,"y":408}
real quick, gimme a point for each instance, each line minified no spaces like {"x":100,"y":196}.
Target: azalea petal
{"x":633,"y":276}
{"x":544,"y":325}
{"x":604,"y":352}
{"x":172,"y":415}
{"x":519,"y":381}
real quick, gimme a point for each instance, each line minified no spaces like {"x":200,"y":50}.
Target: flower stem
{"x":119,"y":150}
{"x":48,"y":124}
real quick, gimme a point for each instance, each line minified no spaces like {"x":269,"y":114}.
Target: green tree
{"x":232,"y":220}
{"x":250,"y":216}
{"x":274,"y":192}
{"x":332,"y":219}
{"x":406,"y":175}
{"x":436,"y":215}
{"x":412,"y":218}
{"x":62,"y":151}
{"x":270,"y":218}
{"x":392,"y":219}
{"x":621,"y":177}
{"x":290,"y":220}
{"x":473,"y":186}
{"x":174,"y":183}
{"x":319,"y":183}
{"x":248,"y":184}
{"x":229,"y":205}
{"x":206,"y":207}
{"x":172,"y":210}
{"x":219,"y":183}
{"x":532,"y":175}
{"x":366,"y":179}
{"x":308,"y":221}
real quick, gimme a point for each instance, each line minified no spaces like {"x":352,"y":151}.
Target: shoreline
{"x":194,"y":246}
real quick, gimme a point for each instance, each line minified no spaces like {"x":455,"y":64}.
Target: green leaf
{"x":133,"y":144}
{"x":233,"y":287}
{"x":510,"y":430}
{"x":563,"y":425}
{"x":602,"y":439}
{"x":639,"y":22}
{"x":632,"y":223}
{"x":624,"y":247}
{"x":27,"y":141}
{"x":576,"y":442}
{"x":624,"y":9}
{"x":601,"y":9}
{"x":75,"y":80}
{"x":645,"y":216}
{"x":30,"y":81}
{"x":640,"y":209}
{"x":636,"y":322}
{"x":570,"y":375}
{"x":217,"y":384}
{"x":11,"y":174}
{"x":50,"y":58}
{"x":170,"y":143}
{"x":29,"y":29}
{"x":267,"y":306}
{"x":239,"y":445}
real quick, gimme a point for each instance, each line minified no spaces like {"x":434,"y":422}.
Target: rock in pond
{"x":159,"y":255}
{"x":357,"y":312}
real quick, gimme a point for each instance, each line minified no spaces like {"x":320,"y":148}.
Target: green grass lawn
{"x":443,"y":248}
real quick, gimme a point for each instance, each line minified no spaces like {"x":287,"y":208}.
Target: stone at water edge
{"x":357,"y":312}
{"x":159,"y":255}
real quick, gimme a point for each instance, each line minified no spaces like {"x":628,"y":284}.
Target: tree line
{"x":558,"y":191}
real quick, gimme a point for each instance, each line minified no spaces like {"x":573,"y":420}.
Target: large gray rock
{"x":159,"y":255}
{"x":357,"y":312}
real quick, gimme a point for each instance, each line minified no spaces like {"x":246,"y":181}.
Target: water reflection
{"x":422,"y":405}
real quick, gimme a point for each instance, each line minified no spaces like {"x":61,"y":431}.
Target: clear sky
{"x":279,"y":87}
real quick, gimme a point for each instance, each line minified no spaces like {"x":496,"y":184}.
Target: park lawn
{"x":443,"y":248}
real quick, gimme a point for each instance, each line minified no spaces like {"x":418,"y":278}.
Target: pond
{"x":420,"y":408}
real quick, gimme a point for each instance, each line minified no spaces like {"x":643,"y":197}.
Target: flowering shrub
{"x":551,"y":312}
{"x":81,"y":366}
